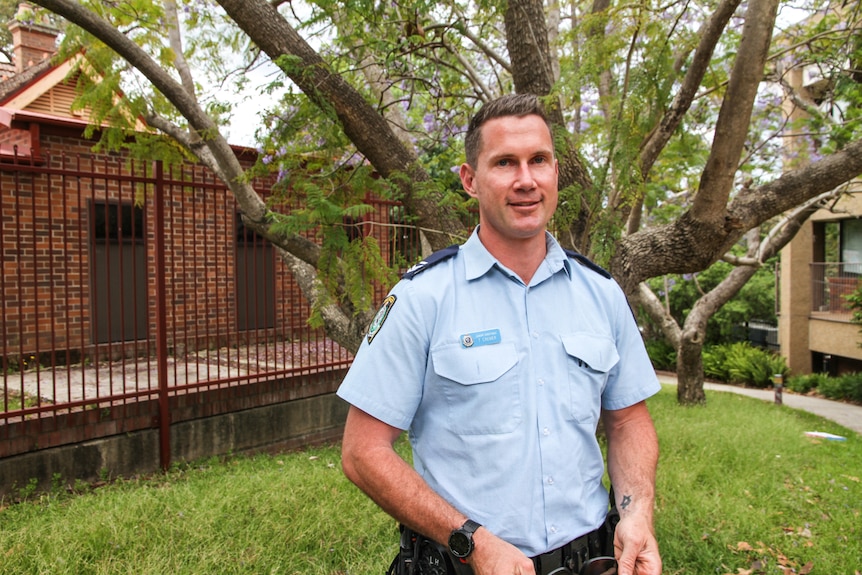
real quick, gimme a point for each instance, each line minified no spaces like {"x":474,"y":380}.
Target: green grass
{"x":740,"y":488}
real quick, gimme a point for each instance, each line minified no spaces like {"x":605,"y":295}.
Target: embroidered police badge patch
{"x":378,"y":320}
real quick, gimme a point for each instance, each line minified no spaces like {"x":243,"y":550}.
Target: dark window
{"x":255,"y":280}
{"x":118,"y":272}
{"x":117,"y":221}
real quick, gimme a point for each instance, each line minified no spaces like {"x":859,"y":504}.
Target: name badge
{"x":487,"y":337}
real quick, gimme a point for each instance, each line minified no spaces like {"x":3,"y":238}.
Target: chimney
{"x":32,"y":42}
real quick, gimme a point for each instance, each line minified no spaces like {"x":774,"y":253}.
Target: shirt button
{"x":535,"y":335}
{"x":546,"y":431}
{"x":550,"y":480}
{"x":553,"y":529}
{"x":541,"y":381}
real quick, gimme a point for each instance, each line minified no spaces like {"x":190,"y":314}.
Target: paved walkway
{"x":846,"y":414}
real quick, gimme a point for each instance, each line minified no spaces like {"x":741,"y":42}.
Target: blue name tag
{"x":487,"y":337}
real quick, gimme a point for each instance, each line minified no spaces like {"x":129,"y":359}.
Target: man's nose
{"x":524,"y":176}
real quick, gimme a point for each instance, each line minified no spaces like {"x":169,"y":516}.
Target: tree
{"x":689,"y":338}
{"x":633,"y":90}
{"x":7,"y":12}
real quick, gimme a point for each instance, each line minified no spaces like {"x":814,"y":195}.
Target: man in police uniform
{"x":500,"y":356}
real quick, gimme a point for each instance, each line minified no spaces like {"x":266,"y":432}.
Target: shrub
{"x":807,"y":382}
{"x":715,"y":362}
{"x":843,"y":388}
{"x":662,"y":354}
{"x":856,"y":389}
{"x":743,"y":363}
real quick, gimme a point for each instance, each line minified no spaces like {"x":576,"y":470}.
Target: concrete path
{"x":846,"y":414}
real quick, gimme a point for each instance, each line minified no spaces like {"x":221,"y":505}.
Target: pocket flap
{"x":476,"y":364}
{"x":598,"y":351}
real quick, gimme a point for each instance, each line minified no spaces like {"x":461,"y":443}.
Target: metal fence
{"x":124,"y":281}
{"x":831,"y":283}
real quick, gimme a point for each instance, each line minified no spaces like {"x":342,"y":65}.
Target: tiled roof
{"x":11,"y":84}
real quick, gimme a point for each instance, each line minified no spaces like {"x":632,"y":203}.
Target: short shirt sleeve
{"x":633,"y":378}
{"x":385,"y":379}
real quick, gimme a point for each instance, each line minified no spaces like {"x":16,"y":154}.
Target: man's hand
{"x":493,"y":556}
{"x":636,"y":548}
{"x":632,"y":459}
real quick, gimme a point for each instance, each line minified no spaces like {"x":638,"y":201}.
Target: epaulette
{"x":584,"y":261}
{"x":431,"y":261}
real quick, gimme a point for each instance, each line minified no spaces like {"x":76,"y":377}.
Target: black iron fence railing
{"x":831,"y":283}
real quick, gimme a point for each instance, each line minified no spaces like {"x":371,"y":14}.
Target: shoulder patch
{"x":378,"y":320}
{"x":431,"y":261}
{"x":584,"y":261}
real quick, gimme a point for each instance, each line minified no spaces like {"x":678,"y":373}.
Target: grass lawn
{"x":741,"y":490}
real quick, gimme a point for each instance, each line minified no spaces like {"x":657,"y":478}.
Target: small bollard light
{"x":778,"y":385}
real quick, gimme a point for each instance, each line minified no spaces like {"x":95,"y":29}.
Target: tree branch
{"x":732,"y":125}
{"x":362,"y":124}
{"x":782,"y":232}
{"x":176,"y":43}
{"x":688,"y":245}
{"x":709,"y":35}
{"x":650,"y":303}
{"x":470,"y":72}
{"x":462,"y":27}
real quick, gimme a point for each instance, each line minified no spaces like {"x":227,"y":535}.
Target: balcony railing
{"x":831,"y":283}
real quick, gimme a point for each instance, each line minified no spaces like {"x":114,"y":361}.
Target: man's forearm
{"x":632,"y":459}
{"x":370,"y":462}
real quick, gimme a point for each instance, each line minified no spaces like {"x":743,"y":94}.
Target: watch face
{"x":460,"y":544}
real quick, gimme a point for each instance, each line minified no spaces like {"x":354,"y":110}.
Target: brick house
{"x":105,"y":229}
{"x":95,"y":269}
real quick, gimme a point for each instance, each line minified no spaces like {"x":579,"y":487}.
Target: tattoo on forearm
{"x":627,"y":500}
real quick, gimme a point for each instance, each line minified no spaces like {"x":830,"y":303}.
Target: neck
{"x":522,"y":256}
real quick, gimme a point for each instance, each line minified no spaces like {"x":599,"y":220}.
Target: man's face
{"x":515,"y":178}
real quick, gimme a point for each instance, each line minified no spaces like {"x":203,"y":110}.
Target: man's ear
{"x":467,"y":175}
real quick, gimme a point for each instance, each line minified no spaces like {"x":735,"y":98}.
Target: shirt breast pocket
{"x":480,"y":388}
{"x":590,"y":357}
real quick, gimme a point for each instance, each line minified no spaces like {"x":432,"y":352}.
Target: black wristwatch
{"x":461,"y":539}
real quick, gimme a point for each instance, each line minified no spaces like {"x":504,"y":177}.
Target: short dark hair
{"x":519,"y":105}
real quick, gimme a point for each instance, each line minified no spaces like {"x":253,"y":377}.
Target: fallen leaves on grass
{"x":760,"y":554}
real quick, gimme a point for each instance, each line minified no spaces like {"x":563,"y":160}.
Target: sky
{"x":250,"y":107}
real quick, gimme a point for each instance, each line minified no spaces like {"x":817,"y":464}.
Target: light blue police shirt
{"x":500,"y":385}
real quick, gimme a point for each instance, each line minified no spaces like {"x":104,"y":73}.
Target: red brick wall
{"x":45,"y":252}
{"x":47,"y":300}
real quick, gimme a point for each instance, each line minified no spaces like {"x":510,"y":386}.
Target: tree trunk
{"x":689,"y":369}
{"x":532,"y":73}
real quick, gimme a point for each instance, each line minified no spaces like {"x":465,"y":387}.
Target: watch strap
{"x":470,"y":526}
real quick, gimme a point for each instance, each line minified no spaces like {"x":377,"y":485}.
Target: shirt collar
{"x":478,"y":260}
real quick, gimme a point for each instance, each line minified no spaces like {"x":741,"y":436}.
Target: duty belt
{"x":582,"y":556}
{"x":569,"y":558}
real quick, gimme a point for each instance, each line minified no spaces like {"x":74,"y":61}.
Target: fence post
{"x":161,"y":316}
